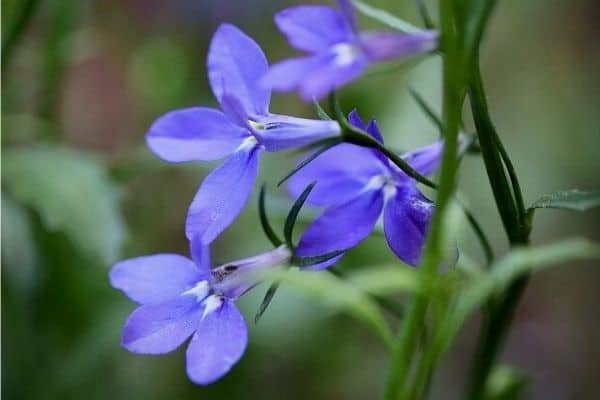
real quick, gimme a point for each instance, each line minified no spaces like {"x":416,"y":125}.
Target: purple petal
{"x":313,"y":28}
{"x":222,"y":195}
{"x":372,"y":129}
{"x":341,"y":227}
{"x":191,"y":134}
{"x":348,"y":12}
{"x":217,"y":345}
{"x":288,"y":74}
{"x":386,"y":45}
{"x":157,"y":278}
{"x":283,"y":132}
{"x":405,"y":221}
{"x":341,"y":174}
{"x":426,"y":160}
{"x":235,"y":64}
{"x":201,"y":256}
{"x":343,"y":66}
{"x":161,"y":328}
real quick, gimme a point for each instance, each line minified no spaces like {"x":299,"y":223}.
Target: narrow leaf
{"x":266,"y":301}
{"x":332,"y":142}
{"x":574,"y":199}
{"x":290,"y":221}
{"x":324,"y":288}
{"x":264,"y":220}
{"x":384,"y":17}
{"x":427,"y":109}
{"x":303,"y":262}
{"x":320,"y":111}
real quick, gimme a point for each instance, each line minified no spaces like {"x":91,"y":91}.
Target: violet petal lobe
{"x":280,"y":132}
{"x":192,"y":134}
{"x":344,"y":64}
{"x":223,"y":194}
{"x":341,"y":173}
{"x":341,"y":227}
{"x":288,"y":74}
{"x":313,"y":28}
{"x":161,"y":328}
{"x":236,"y":63}
{"x":156,"y":278}
{"x":425,"y":160}
{"x":219,"y":342}
{"x":387,"y":45}
{"x":201,"y":255}
{"x":406,"y":220}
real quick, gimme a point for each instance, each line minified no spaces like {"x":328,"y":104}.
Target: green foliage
{"x":327,"y":289}
{"x":506,"y":383}
{"x":71,"y":192}
{"x":384,"y":17}
{"x":574,"y":199}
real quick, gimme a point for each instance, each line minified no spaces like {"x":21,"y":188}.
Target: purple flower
{"x":338,"y":52}
{"x":179,"y":298}
{"x":242,"y":130}
{"x":356,"y":184}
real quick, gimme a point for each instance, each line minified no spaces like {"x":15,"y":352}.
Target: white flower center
{"x":345,"y":54}
{"x":382,"y":182}
{"x":200,"y":290}
{"x":211,"y":303}
{"x":247,"y":143}
{"x":256,"y":125}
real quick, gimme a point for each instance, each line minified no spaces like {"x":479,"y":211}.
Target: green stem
{"x":452,"y":85}
{"x":23,"y":14}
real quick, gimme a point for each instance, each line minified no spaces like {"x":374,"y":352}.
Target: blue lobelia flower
{"x":338,"y":53}
{"x":356,"y":184}
{"x":243,"y":129}
{"x":179,"y":298}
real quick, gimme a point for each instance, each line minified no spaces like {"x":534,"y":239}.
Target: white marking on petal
{"x":200,"y":290}
{"x":345,"y":54}
{"x":256,"y":125}
{"x":247,"y":143}
{"x":211,"y":303}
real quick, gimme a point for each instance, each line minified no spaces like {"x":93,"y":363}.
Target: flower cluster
{"x":181,"y":297}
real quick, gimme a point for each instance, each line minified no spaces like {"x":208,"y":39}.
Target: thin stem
{"x":452,"y":101}
{"x":23,"y":14}
{"x":483,"y":240}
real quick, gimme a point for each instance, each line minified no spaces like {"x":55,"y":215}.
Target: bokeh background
{"x":80,"y":190}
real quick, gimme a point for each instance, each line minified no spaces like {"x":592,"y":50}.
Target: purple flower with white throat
{"x":355,"y":184}
{"x":338,"y":53}
{"x":242,"y":130}
{"x":179,"y":298}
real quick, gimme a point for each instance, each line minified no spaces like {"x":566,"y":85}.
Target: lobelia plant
{"x":350,"y":172}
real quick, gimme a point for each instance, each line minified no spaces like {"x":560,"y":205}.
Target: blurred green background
{"x":80,"y":190}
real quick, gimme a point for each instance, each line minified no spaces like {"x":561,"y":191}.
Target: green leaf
{"x":512,"y":266}
{"x":384,"y":17}
{"x":264,"y":219}
{"x":71,"y":192}
{"x":308,"y":261}
{"x":266,"y":301}
{"x":326,"y":145}
{"x":386,"y":280}
{"x":506,"y":383}
{"x":574,"y":199}
{"x":321,"y":113}
{"x":290,"y":221}
{"x":324,"y":288}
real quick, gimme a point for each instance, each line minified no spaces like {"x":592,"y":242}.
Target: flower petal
{"x":426,"y":159}
{"x":195,"y":133}
{"x":223,"y":194}
{"x":341,"y":227}
{"x":337,"y":72}
{"x":284,"y":132}
{"x":313,"y":28}
{"x":386,"y":45}
{"x":156,"y":278}
{"x":217,"y":345}
{"x":288,"y":74}
{"x":405,"y":221}
{"x":341,"y":174}
{"x":235,"y":65}
{"x":161,"y":328}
